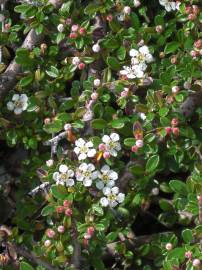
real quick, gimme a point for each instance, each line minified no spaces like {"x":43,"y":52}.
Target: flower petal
{"x":10,"y":106}
{"x":104,"y":201}
{"x":63,"y":168}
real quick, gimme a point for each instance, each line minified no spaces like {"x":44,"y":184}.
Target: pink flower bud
{"x":137,"y":3}
{"x":198,"y":43}
{"x":199,"y":198}
{"x":47,"y":121}
{"x":174,"y":122}
{"x":188,"y":9}
{"x":188,"y":254}
{"x":97,"y":82}
{"x":87,"y":236}
{"x":193,"y":54}
{"x":60,"y":209}
{"x":139,"y":143}
{"x":74,"y":28}
{"x":82,"y":31}
{"x":192,"y":17}
{"x":168,"y":130}
{"x":109,"y":17}
{"x":106,"y":155}
{"x":68,"y":212}
{"x":127,"y":10}
{"x":169,"y":246}
{"x":50,"y":233}
{"x":159,"y":28}
{"x":94,"y":96}
{"x":195,"y":9}
{"x":173,"y":60}
{"x":47,"y":243}
{"x":176,"y":131}
{"x":134,"y":148}
{"x":66,"y":203}
{"x":68,"y":21}
{"x":49,"y":162}
{"x":61,"y":229}
{"x":90,"y":230}
{"x":196,"y":262}
{"x":7,"y":26}
{"x":81,"y":66}
{"x":102,"y":147}
{"x":73,"y":35}
{"x":187,"y":85}
{"x":175,"y":89}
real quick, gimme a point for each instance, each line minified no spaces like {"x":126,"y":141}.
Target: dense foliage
{"x":101,"y":134}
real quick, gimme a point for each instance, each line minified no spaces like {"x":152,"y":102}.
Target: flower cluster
{"x":18,"y":104}
{"x":86,"y":173}
{"x":170,"y":5}
{"x":110,"y":145}
{"x":139,"y":60}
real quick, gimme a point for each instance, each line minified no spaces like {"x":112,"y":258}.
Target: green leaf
{"x":135,"y":20}
{"x":26,"y":80}
{"x":59,"y":192}
{"x":99,"y":123}
{"x":88,"y":60}
{"x":98,"y":263}
{"x":163,"y":111}
{"x":53,"y":72}
{"x":178,"y":187}
{"x":67,"y":105}
{"x":97,"y":210}
{"x":166,"y":205}
{"x":25,"y":266}
{"x":54,"y":127}
{"x":152,"y":163}
{"x":21,"y":8}
{"x":121,"y":53}
{"x":113,"y":63}
{"x":129,"y":142}
{"x":48,"y":210}
{"x":117,"y":123}
{"x":111,"y":43}
{"x":92,"y":8}
{"x":100,"y":227}
{"x":187,"y":236}
{"x":172,"y":47}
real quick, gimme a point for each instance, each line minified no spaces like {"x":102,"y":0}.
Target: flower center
{"x":141,"y":57}
{"x":18,"y":104}
{"x":105,"y":178}
{"x":63,"y":176}
{"x":84,"y":149}
{"x":87,"y":174}
{"x":112,"y":197}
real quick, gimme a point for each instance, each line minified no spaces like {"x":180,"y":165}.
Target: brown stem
{"x":32,"y":257}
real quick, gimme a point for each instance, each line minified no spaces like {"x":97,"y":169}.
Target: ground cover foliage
{"x":100,"y":133}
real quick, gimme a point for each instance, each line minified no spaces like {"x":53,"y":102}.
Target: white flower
{"x":84,"y":149}
{"x":76,"y":61}
{"x":60,"y":27}
{"x":112,"y":197}
{"x":127,"y":10}
{"x":64,"y":176}
{"x":136,"y":3}
{"x":96,"y":82}
{"x":107,"y":176}
{"x":18,"y":104}
{"x":112,"y":144}
{"x":133,"y":72}
{"x":49,"y":162}
{"x":96,"y":48}
{"x":170,"y":5}
{"x":142,"y":55}
{"x":86,"y":173}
